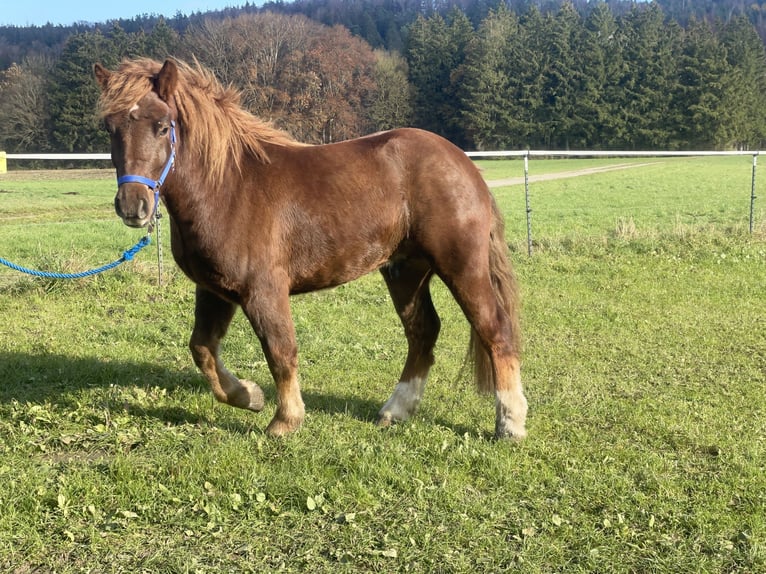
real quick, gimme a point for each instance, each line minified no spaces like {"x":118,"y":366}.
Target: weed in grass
{"x":625,"y":228}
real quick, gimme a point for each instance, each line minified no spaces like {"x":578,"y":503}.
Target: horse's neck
{"x":190,"y":203}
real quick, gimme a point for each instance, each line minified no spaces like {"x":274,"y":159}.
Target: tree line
{"x":486,"y":75}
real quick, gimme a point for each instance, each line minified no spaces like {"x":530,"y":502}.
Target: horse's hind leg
{"x":480,"y":278}
{"x":494,"y":328}
{"x":212,"y":316}
{"x":407,"y":283}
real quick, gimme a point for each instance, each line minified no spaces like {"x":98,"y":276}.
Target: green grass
{"x":680,"y":196}
{"x":644,"y":366}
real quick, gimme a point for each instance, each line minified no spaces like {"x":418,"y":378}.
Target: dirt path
{"x":56,"y":174}
{"x":564,"y":174}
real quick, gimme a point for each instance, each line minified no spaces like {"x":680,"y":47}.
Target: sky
{"x":40,"y":12}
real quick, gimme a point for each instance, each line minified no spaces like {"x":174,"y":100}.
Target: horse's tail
{"x":506,"y":291}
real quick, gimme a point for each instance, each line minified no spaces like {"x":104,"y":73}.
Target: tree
{"x":532,"y":61}
{"x":250,"y":52}
{"x":563,"y":77}
{"x":162,"y":41}
{"x":313,"y":80}
{"x":336,"y":83}
{"x":435,"y":50}
{"x":651,"y":49}
{"x":744,"y":97}
{"x":699,"y":101}
{"x":391,"y":106}
{"x":73,"y":94}
{"x":489,"y":92}
{"x":23,"y":106}
{"x":600,"y":63}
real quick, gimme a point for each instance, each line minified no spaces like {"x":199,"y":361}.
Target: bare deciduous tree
{"x":311,"y":79}
{"x":23,"y":114}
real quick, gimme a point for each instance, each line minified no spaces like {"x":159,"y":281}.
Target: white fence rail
{"x":545,"y":153}
{"x":59,"y":156}
{"x":526,"y":154}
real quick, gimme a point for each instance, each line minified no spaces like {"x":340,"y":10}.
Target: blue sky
{"x":40,"y":12}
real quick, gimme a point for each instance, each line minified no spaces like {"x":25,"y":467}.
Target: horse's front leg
{"x":212,"y":316}
{"x":269,"y":312}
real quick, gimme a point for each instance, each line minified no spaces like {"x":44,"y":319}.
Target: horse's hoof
{"x":249,"y":396}
{"x":506,"y":430}
{"x":384,"y":420}
{"x":278,"y":427}
{"x":257,"y":400}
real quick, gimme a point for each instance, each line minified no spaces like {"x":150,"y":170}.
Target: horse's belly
{"x":344,"y":244}
{"x":337,"y":268}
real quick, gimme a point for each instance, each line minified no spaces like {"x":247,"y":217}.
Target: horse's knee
{"x":202,"y":356}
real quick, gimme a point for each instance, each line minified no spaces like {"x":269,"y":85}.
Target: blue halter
{"x":152,"y":184}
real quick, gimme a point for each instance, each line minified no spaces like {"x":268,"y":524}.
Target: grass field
{"x":645,"y":369}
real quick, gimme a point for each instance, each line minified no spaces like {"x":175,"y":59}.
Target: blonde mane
{"x":216,"y":130}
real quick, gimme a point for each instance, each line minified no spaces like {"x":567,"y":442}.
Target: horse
{"x":256,"y":216}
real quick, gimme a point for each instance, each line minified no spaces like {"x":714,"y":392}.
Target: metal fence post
{"x":752,"y":192}
{"x":526,"y":199}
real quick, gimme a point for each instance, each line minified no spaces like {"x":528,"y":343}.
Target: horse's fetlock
{"x":510,"y":429}
{"x":281,"y":427}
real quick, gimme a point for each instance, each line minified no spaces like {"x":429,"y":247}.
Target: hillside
{"x":382,"y":23}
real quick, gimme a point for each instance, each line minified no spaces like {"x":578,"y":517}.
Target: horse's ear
{"x":167,"y":80}
{"x":102,"y":75}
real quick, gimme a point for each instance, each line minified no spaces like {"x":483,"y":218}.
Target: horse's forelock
{"x":127,"y":85}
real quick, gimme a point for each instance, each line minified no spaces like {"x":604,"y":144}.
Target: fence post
{"x":3,"y":162}
{"x":752,"y":192}
{"x":526,"y":199}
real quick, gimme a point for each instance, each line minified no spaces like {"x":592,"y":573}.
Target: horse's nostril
{"x":143,"y":210}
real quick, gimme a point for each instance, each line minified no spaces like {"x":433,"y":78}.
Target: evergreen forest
{"x":486,"y":74}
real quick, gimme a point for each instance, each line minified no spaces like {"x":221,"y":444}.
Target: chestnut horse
{"x":256,"y":217}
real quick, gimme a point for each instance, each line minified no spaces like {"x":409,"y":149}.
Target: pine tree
{"x":532,"y":61}
{"x":744,"y":99}
{"x":563,"y":78}
{"x":699,"y":101}
{"x":649,"y":80}
{"x":488,"y":95}
{"x":600,"y":62}
{"x":435,"y":50}
{"x":73,"y":94}
{"x":162,"y":41}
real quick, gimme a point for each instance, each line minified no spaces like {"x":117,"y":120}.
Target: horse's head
{"x":143,"y":143}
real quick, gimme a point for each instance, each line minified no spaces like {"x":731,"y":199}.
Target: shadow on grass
{"x":37,"y":378}
{"x":58,"y":379}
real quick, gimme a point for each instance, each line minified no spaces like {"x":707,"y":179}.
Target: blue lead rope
{"x":126,"y":256}
{"x":154,"y":185}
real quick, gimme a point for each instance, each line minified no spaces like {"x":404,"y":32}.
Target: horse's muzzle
{"x":134,"y":204}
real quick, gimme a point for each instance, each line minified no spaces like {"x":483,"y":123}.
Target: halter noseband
{"x":152,"y":184}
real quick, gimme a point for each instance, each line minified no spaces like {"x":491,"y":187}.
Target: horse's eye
{"x":163,"y":131}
